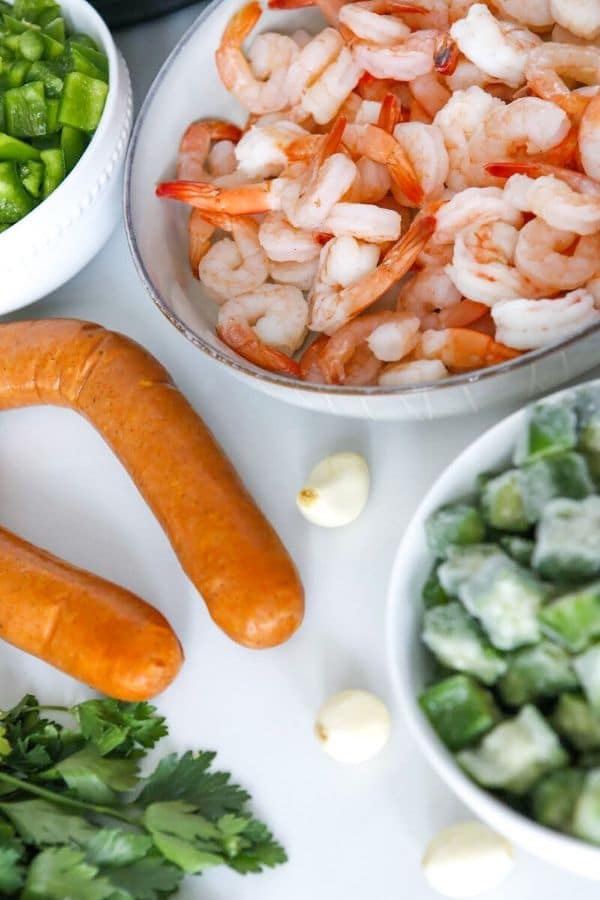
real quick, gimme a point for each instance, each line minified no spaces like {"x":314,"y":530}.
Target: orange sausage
{"x":90,"y":628}
{"x":223,"y":542}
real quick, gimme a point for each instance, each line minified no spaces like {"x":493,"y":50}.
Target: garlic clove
{"x":353,"y":726}
{"x":466,"y":860}
{"x":336,"y":490}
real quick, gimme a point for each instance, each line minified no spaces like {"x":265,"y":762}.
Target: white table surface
{"x":351,"y":832}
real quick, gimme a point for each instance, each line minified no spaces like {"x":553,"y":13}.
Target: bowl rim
{"x":247,"y":369}
{"x":561,"y":849}
{"x":110,"y":48}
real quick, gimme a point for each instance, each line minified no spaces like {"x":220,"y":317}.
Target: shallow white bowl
{"x":63,"y":233}
{"x":187,"y":88}
{"x":408,"y":661}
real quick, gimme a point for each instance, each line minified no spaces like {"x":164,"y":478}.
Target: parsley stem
{"x":61,"y":799}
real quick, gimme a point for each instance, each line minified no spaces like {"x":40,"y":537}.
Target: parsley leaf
{"x":96,"y":778}
{"x":147,"y":879}
{"x":112,"y":725}
{"x":40,"y":822}
{"x":11,"y":870}
{"x":114,"y":847}
{"x":5,"y":747}
{"x":63,"y":874}
{"x":187,"y":778}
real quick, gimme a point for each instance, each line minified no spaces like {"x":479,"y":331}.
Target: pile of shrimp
{"x":415,"y":193}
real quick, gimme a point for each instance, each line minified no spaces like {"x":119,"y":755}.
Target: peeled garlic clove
{"x":353,"y":726}
{"x":336,"y":490}
{"x":467,"y":859}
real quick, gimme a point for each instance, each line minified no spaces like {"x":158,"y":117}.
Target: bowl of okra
{"x":494,"y":628}
{"x":65,"y":119}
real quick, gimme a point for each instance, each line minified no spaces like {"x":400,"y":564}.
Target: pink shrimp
{"x":342,"y":346}
{"x":379,"y":146}
{"x":459,"y":315}
{"x":464,"y":349}
{"x":310,"y":361}
{"x":196,"y":143}
{"x":534,"y":169}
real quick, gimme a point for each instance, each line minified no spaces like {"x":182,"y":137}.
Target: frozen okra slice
{"x":588,"y":416}
{"x":515,"y":754}
{"x":503,"y":501}
{"x":568,"y":540}
{"x":457,"y":642}
{"x":574,"y":619}
{"x":587,"y":669}
{"x":460,"y":710}
{"x":576,"y":721}
{"x":551,"y":428}
{"x":543,"y":670}
{"x":461,"y":563}
{"x":554,"y":798}
{"x":586,"y":815}
{"x":432,"y":593}
{"x":505,"y":598}
{"x":456,"y":524}
{"x":518,"y":548}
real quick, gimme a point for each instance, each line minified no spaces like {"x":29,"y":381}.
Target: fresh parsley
{"x":78,"y":821}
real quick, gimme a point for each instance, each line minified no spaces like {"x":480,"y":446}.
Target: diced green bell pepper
{"x":554,"y":799}
{"x":73,"y":142}
{"x":56,"y":29}
{"x":15,"y":202}
{"x":515,"y":754}
{"x":574,"y":619}
{"x":31,"y":45}
{"x":551,"y":428}
{"x":53,"y":50}
{"x":576,"y":721}
{"x":46,"y":72}
{"x":17,"y":74}
{"x":586,"y":816}
{"x":84,"y":40}
{"x":518,"y":548}
{"x":14,"y":25}
{"x":52,"y":125}
{"x":87,"y":61}
{"x":433,"y":594}
{"x":568,"y":540}
{"x":25,"y":110}
{"x":457,"y":642}
{"x":54,"y":171}
{"x":31,"y":174}
{"x":587,"y":669}
{"x":11,"y":148}
{"x":543,"y":670}
{"x":33,"y":10}
{"x":452,"y":526}
{"x":82,"y":101}
{"x":460,"y":710}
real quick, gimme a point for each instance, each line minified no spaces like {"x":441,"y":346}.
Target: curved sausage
{"x":89,"y":628}
{"x":223,"y":542}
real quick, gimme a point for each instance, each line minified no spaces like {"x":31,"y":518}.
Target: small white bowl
{"x":61,"y":235}
{"x":187,"y":88}
{"x":408,"y":662}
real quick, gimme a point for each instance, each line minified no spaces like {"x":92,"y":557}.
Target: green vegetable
{"x":11,"y":148}
{"x":82,"y":102}
{"x":456,"y":641}
{"x":87,"y":61}
{"x":554,"y":799}
{"x":54,"y":170}
{"x":72,"y":142}
{"x":48,"y":74}
{"x":77,"y":820}
{"x":454,"y":525}
{"x":543,"y":670}
{"x":433,"y":594}
{"x":515,"y":754}
{"x":552,"y":428}
{"x":574,"y":619}
{"x":31,"y":174}
{"x":518,"y":548}
{"x":25,"y":110}
{"x":462,"y":563}
{"x":17,"y":74}
{"x":587,"y":668}
{"x":502,"y":502}
{"x":31,"y":45}
{"x":586,"y":816}
{"x":15,"y":202}
{"x":56,"y":29}
{"x":460,"y":710}
{"x":34,"y":10}
{"x":568,"y":540}
{"x":576,"y":721}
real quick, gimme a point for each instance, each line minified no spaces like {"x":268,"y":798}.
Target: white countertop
{"x":351,"y":833}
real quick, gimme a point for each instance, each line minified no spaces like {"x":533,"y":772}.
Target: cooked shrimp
{"x":270,"y":52}
{"x":474,"y":206}
{"x":580,"y":17}
{"x":465,"y":76}
{"x":310,"y":361}
{"x":463,"y":349}
{"x":556,"y":260}
{"x":530,"y":324}
{"x":498,"y":48}
{"x":534,"y":169}
{"x":367,"y":20}
{"x":371,"y":184}
{"x":312,"y":60}
{"x":221,"y":159}
{"x":419,"y":54}
{"x":427,"y":291}
{"x":555,"y":202}
{"x":547,"y":63}
{"x":240,"y":200}
{"x":332,"y":305}
{"x":390,"y":114}
{"x":284,"y":243}
{"x":410,"y":374}
{"x":379,"y":146}
{"x":593,"y":287}
{"x":325,"y":96}
{"x":527,"y":126}
{"x":298,"y":274}
{"x":461,"y":315}
{"x":589,"y":139}
{"x":343,"y":261}
{"x":256,"y":95}
{"x":261,"y":152}
{"x":342,"y":346}
{"x":266,"y":326}
{"x":196,"y":143}
{"x":235,"y":265}
{"x":364,"y":221}
{"x":533,"y":13}
{"x":426,"y":152}
{"x":430,"y":93}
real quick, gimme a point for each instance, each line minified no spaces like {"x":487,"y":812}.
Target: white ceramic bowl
{"x":187,"y":88}
{"x":61,"y":235}
{"x":408,"y":661}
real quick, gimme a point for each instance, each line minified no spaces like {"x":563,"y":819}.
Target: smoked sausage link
{"x":90,"y":628}
{"x":222,"y":540}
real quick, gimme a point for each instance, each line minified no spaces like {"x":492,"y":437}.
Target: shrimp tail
{"x":409,"y":246}
{"x":445,"y":55}
{"x":240,"y":25}
{"x":244,"y":200}
{"x":390,"y":113}
{"x":404,"y":176}
{"x":242,"y":339}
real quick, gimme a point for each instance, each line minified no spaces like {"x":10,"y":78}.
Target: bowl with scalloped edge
{"x":188,"y":88}
{"x":409,"y":664}
{"x":59,"y":237}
